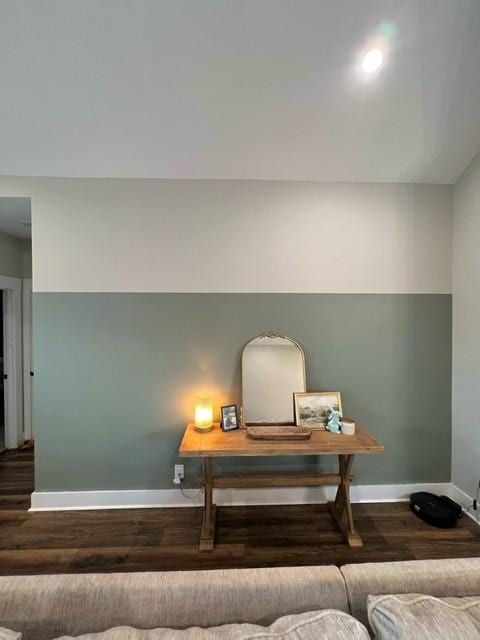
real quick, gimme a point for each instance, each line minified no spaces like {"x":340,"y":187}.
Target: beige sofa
{"x":45,"y":607}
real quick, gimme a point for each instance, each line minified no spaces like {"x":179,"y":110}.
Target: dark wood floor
{"x":167,"y":539}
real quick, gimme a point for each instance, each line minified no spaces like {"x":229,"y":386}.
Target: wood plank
{"x":217,"y":443}
{"x":101,"y":559}
{"x":192,"y":440}
{"x":14,"y":501}
{"x":353,"y":538}
{"x":246,"y":536}
{"x":207,"y":533}
{"x":276,"y":480}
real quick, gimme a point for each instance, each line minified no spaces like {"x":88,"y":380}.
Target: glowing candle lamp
{"x":204,"y":414}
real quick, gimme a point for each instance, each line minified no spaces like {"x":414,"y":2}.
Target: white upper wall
{"x":237,"y":236}
{"x":466,"y":323}
{"x":265,"y":89}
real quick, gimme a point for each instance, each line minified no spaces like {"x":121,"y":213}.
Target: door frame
{"x":12,"y":339}
{"x":27,"y":357}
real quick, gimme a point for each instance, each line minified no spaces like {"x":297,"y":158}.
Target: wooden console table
{"x":219,"y":444}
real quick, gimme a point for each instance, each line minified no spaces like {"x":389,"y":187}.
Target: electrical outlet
{"x":179,"y":473}
{"x":476,"y":504}
{"x":473,"y":510}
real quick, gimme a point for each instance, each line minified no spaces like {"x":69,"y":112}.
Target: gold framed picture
{"x":311,"y":408}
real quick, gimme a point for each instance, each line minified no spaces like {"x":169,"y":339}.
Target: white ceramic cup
{"x":348,"y":427}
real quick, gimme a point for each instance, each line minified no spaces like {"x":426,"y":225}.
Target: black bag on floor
{"x":439,"y":511}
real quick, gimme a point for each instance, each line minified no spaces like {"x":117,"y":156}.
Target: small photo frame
{"x":229,"y":417}
{"x":311,"y":409}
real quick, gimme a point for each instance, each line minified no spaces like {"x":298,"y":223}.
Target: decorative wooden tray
{"x":279,"y":433}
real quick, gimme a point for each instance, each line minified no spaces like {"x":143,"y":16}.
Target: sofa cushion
{"x":406,"y":616}
{"x":75,"y":604}
{"x":7,"y":634}
{"x":442,"y":578}
{"x":317,"y":625}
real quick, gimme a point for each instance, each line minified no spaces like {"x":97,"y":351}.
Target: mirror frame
{"x":270,"y":334}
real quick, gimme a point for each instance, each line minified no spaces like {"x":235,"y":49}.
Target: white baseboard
{"x":155,"y":498}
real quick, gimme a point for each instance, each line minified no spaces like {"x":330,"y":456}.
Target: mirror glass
{"x":273,"y":368}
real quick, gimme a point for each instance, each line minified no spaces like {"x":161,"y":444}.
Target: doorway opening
{"x":2,"y":392}
{"x":15,"y":322}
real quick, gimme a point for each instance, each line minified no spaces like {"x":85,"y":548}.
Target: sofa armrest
{"x":442,"y":578}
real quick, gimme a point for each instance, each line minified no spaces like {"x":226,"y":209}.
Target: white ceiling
{"x":267,"y":89}
{"x":15,"y":217}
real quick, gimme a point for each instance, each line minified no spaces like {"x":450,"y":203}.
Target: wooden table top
{"x":218,"y":443}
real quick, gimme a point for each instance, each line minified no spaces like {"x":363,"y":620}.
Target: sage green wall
{"x":115,"y":375}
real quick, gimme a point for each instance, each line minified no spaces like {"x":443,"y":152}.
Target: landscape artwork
{"x":311,"y":409}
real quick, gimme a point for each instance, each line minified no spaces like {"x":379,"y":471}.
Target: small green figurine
{"x":334,"y":423}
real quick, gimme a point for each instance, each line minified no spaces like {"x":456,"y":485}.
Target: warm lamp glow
{"x":204,"y":413}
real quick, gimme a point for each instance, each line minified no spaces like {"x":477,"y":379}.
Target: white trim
{"x":12,"y":326}
{"x":150,"y":498}
{"x":27,"y":356}
{"x":466,"y":501}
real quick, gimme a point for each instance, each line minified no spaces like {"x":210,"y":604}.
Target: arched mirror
{"x":273,"y":368}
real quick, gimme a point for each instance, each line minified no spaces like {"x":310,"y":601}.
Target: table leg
{"x":340,"y":496}
{"x":341,"y":508}
{"x":207,"y":535}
